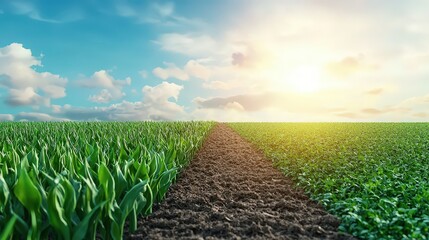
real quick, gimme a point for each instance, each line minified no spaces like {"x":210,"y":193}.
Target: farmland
{"x":374,"y":176}
{"x":231,"y":191}
{"x":85,"y":180}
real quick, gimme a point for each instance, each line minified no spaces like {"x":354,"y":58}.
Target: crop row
{"x":85,"y":180}
{"x":374,"y":176}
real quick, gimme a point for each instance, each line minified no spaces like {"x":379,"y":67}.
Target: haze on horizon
{"x":243,"y":60}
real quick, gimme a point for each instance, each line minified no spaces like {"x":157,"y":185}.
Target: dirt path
{"x":231,"y":191}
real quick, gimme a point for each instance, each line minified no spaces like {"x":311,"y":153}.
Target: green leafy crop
{"x":374,"y":176}
{"x":86,"y":180}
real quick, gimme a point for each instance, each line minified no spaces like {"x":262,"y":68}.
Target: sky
{"x":241,"y":60}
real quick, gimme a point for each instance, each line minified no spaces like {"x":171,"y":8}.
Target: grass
{"x":85,"y":180}
{"x":374,"y":176}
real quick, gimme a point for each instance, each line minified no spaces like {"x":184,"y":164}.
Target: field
{"x":374,"y":176}
{"x":95,"y":180}
{"x":85,"y":180}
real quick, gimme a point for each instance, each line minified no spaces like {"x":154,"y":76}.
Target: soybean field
{"x":374,"y":176}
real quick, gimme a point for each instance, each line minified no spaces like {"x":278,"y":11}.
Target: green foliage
{"x":374,"y":176}
{"x":85,"y":180}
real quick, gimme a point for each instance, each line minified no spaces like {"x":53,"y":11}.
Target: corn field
{"x":85,"y":180}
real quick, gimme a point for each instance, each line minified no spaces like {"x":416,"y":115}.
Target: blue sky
{"x":214,"y":60}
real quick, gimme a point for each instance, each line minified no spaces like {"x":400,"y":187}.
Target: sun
{"x":305,"y":79}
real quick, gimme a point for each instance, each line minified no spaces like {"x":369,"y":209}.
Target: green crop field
{"x":85,"y":180}
{"x":374,"y":176}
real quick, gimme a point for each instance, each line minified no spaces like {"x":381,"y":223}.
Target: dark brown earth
{"x":230,"y":191}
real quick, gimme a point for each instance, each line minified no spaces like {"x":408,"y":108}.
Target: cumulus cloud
{"x":171,"y":71}
{"x":27,"y":96}
{"x":104,"y":96}
{"x":111,"y":89}
{"x":38,"y":117}
{"x":26,"y":85}
{"x":6,"y":117}
{"x":196,"y":69}
{"x":193,"y":68}
{"x":187,"y":44}
{"x":158,"y":103}
{"x":162,"y":92}
{"x":103,"y":79}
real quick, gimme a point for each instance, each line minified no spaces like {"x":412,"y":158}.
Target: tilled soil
{"x":230,"y":191}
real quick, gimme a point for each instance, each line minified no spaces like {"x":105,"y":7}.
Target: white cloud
{"x":156,"y":104}
{"x":26,"y":85}
{"x":103,"y":79}
{"x":157,"y":101}
{"x":196,"y":69}
{"x":38,"y":117}
{"x":187,"y":44}
{"x":161,"y":93}
{"x":6,"y":117}
{"x":193,"y":68}
{"x":103,"y":97}
{"x":171,"y":71}
{"x":27,"y":96}
{"x":52,"y":90}
{"x":111,"y":89}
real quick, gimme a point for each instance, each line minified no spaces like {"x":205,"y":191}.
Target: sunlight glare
{"x":306,"y":79}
